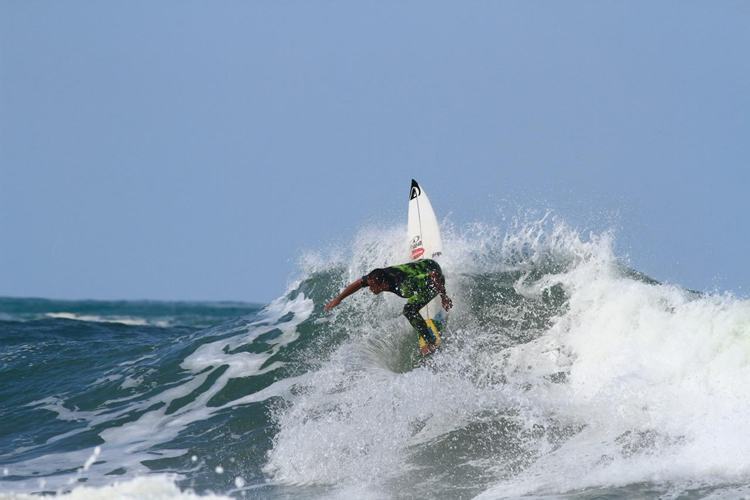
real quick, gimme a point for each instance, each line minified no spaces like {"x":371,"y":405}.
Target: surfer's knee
{"x":411,"y":310}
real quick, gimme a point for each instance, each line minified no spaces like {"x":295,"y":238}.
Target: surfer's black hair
{"x":377,"y":275}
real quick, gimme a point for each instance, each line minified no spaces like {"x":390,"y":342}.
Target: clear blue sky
{"x":193,"y":149}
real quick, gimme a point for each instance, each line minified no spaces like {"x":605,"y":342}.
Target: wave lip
{"x":133,"y":313}
{"x":123,"y":320}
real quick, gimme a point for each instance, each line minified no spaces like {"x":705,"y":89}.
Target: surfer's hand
{"x":332,"y":304}
{"x":447,"y":302}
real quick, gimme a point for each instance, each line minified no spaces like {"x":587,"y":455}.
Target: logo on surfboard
{"x":416,"y":247}
{"x":415,"y":190}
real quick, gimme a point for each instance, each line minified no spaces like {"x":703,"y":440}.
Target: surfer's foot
{"x":428,"y":349}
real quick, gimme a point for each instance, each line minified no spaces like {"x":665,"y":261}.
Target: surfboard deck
{"x":435,"y":326}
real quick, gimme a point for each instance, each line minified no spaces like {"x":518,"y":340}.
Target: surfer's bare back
{"x":419,"y":282}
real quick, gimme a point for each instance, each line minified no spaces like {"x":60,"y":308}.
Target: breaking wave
{"x":564,"y":372}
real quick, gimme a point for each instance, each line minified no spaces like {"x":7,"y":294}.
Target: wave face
{"x":563,"y":373}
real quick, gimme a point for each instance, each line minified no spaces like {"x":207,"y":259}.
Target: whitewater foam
{"x":154,"y":487}
{"x":656,"y":375}
{"x":630,"y":381}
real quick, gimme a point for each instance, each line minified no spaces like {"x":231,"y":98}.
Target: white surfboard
{"x":424,"y":232}
{"x":424,"y":243}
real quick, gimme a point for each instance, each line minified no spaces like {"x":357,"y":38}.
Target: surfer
{"x":418,"y":282}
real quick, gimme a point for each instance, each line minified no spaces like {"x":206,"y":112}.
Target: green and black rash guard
{"x":411,"y":281}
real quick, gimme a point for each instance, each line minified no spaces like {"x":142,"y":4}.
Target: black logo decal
{"x":415,"y":190}
{"x":415,"y":242}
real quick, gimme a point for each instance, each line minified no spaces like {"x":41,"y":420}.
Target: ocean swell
{"x":563,"y":372}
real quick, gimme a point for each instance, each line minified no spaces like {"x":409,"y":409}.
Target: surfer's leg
{"x":411,"y":311}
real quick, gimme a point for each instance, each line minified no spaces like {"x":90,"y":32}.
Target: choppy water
{"x":563,"y":374}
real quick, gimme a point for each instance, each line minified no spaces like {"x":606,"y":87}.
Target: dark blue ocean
{"x":564,"y":374}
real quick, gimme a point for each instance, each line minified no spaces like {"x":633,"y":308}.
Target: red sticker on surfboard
{"x":417,"y":252}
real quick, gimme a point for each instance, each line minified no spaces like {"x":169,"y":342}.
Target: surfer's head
{"x":377,"y":281}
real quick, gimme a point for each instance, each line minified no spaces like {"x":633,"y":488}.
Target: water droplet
{"x":239,"y":482}
{"x":219,"y":469}
{"x":193,"y":458}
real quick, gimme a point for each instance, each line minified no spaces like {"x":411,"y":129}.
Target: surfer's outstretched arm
{"x":350,"y":289}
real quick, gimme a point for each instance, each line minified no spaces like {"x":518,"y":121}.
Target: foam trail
{"x":141,"y":488}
